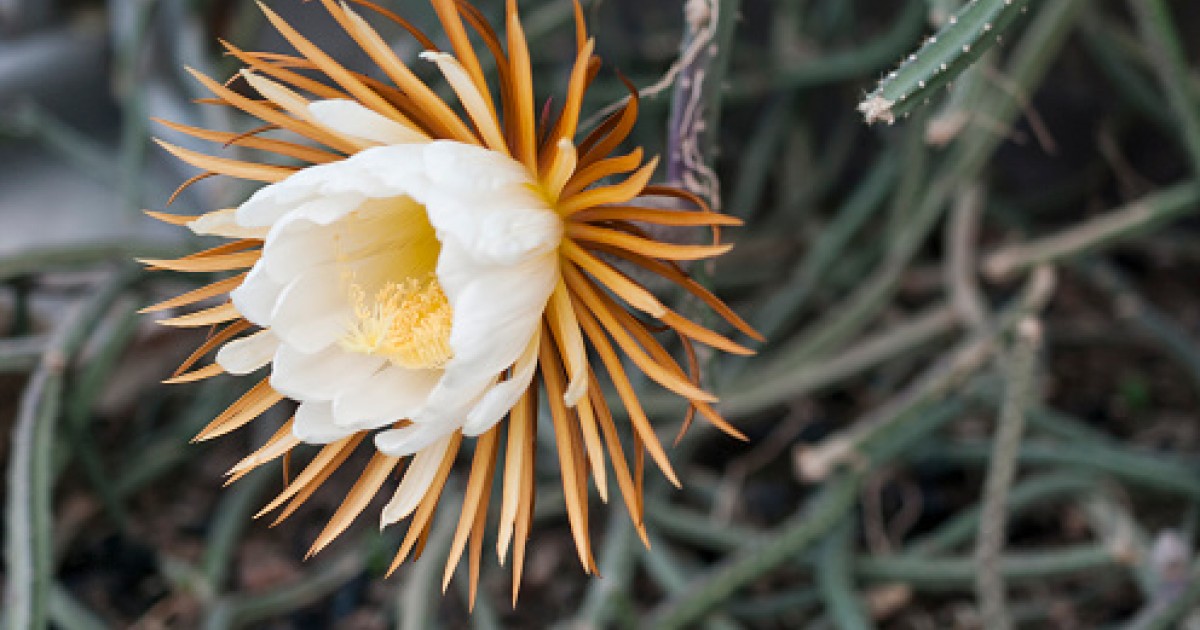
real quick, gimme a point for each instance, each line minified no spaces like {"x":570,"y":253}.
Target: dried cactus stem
{"x":696,"y":104}
{"x":943,"y":57}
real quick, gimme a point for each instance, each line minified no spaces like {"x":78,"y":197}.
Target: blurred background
{"x":978,"y":404}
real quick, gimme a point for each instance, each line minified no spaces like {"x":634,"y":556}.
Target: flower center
{"x":388,"y":253}
{"x":406,"y":322}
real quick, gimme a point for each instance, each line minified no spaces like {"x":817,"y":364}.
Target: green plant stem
{"x":67,"y":613}
{"x":663,"y":565}
{"x":835,"y":499}
{"x":229,"y":521}
{"x":1128,"y":221}
{"x":975,"y":28}
{"x":1151,"y":471}
{"x":942,"y":574}
{"x":1116,"y":526}
{"x":773,"y":606}
{"x":233,"y":611}
{"x":1167,"y":613}
{"x":483,"y":615}
{"x":1128,"y":80}
{"x":757,"y":392}
{"x":111,"y":341}
{"x":1170,"y":62}
{"x":834,"y":579}
{"x":617,"y":563}
{"x":1172,"y":338}
{"x":29,"y":522}
{"x":782,"y":307}
{"x":691,"y":527}
{"x":960,"y":271}
{"x":955,"y":367}
{"x":81,"y":255}
{"x":1024,"y":496}
{"x":754,"y":167}
{"x":21,"y":354}
{"x":989,"y":583}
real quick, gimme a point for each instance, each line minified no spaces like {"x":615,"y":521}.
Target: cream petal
{"x":390,"y":171}
{"x":496,"y":213}
{"x":415,"y":170}
{"x":495,"y":314}
{"x":446,"y":162}
{"x":297,"y":244}
{"x":497,"y":311}
{"x":328,"y":208}
{"x":224,"y":223}
{"x":410,"y":439}
{"x":270,"y":203}
{"x":314,"y":424}
{"x":313,"y":310}
{"x":497,"y":401}
{"x":362,"y":175}
{"x":294,"y":246}
{"x":494,"y":236}
{"x":247,"y":354}
{"x":321,"y":375}
{"x":257,"y":296}
{"x":391,"y":394}
{"x":349,"y":118}
{"x":416,"y":482}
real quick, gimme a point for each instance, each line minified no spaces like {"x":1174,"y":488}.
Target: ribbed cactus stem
{"x":962,"y":39}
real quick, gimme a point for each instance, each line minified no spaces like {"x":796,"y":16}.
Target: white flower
{"x":421,"y":277}
{"x":399,"y":284}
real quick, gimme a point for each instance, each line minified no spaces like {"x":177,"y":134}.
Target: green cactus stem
{"x":962,"y":39}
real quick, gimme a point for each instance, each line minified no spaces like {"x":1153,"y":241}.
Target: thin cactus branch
{"x":943,"y":57}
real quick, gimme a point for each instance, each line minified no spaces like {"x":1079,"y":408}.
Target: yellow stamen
{"x":406,"y":322}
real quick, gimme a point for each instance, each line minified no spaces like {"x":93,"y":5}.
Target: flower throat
{"x":408,"y":323}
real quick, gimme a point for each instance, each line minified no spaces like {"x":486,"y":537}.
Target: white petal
{"x":390,"y":171}
{"x":223,"y":223}
{"x":391,"y":394}
{"x":314,"y":424}
{"x":416,"y":482}
{"x":495,"y":214}
{"x":245,"y":355}
{"x":498,"y":400}
{"x":257,"y":296}
{"x":349,"y":118}
{"x":410,"y":439}
{"x":270,"y":203}
{"x":472,"y":169}
{"x":321,"y":375}
{"x":328,"y":208}
{"x":474,"y":101}
{"x":495,"y":314}
{"x":313,"y":310}
{"x":494,"y":236}
{"x":295,"y":245}
{"x":464,"y":174}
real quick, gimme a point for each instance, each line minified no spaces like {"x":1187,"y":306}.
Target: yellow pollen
{"x":408,"y":323}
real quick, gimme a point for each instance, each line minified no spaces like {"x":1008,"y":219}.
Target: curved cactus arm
{"x":965,"y":36}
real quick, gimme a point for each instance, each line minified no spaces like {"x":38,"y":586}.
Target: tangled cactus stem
{"x":963,"y":39}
